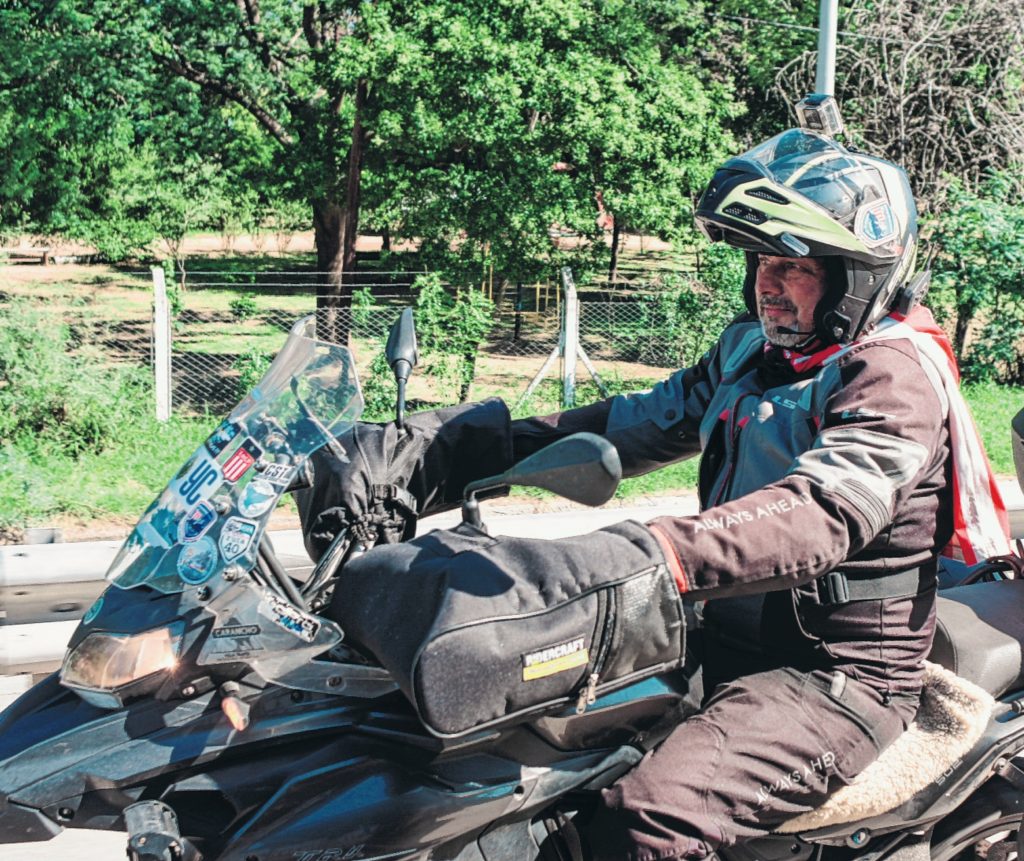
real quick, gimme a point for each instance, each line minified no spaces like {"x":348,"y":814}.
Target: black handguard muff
{"x":394,"y":476}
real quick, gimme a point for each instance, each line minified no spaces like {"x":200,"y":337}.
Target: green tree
{"x":105,"y":149}
{"x":513,"y":116}
{"x":978,"y":271}
{"x":476,"y":125}
{"x":742,"y":46}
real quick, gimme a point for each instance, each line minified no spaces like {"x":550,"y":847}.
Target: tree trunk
{"x":332,"y":303}
{"x":613,"y":267}
{"x":467,"y":372}
{"x":335,"y":229}
{"x":352,"y":193}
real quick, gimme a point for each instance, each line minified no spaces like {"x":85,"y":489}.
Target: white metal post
{"x":571,"y":335}
{"x":161,"y":344}
{"x":828,"y":23}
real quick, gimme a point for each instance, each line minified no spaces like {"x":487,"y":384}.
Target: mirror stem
{"x":400,"y":405}
{"x":471,"y":512}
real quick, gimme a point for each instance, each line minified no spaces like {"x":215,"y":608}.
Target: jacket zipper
{"x":588,"y":694}
{"x":731,"y":451}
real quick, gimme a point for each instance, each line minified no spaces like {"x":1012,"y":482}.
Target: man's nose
{"x":768,"y":282}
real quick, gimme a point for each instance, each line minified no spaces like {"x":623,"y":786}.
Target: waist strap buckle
{"x":834,"y":588}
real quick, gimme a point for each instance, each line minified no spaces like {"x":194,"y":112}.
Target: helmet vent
{"x":745,"y":213}
{"x":767,"y":194}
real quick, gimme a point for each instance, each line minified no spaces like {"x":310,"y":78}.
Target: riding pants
{"x":765,"y":748}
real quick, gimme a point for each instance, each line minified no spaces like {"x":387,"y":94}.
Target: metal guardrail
{"x":46,"y":588}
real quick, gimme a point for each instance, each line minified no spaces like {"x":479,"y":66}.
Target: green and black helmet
{"x":802,"y":194}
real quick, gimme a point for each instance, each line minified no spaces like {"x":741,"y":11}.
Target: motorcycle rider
{"x":826,"y":416}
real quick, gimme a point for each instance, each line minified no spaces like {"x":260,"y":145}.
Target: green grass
{"x":116,"y":482}
{"x":121,"y":480}
{"x":993,"y":407}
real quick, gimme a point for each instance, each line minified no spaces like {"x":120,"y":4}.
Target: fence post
{"x":571,"y":336}
{"x":161,"y":344}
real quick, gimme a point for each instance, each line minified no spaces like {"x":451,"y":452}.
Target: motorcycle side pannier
{"x":480,"y":631}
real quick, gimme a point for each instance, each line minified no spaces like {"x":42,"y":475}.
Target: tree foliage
{"x":743,"y":46}
{"x":477,"y":127}
{"x":501,"y":121}
{"x":978,"y":282}
{"x":936,"y":87}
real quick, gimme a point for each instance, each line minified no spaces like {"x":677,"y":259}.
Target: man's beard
{"x":771,"y":326}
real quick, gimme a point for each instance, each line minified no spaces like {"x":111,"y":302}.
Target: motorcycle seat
{"x":978,"y":634}
{"x":952,"y":717}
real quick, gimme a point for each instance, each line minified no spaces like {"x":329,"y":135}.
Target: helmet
{"x":803,"y":194}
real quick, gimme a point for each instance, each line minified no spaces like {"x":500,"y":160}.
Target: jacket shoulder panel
{"x":687,"y":391}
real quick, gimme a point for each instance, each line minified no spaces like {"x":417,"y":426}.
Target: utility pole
{"x":828,"y":22}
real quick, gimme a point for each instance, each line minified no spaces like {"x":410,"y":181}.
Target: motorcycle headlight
{"x":106,"y":669}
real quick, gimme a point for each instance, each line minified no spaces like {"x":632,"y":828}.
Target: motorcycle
{"x":209,"y":708}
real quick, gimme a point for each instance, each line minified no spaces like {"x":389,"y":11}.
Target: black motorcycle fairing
{"x":128,"y":611}
{"x":131,"y":611}
{"x":68,"y":763}
{"x":375,"y":807}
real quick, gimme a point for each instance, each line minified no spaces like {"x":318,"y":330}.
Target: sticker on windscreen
{"x":200,"y":482}
{"x":236,"y":537}
{"x":197,"y":561}
{"x":220,"y":438}
{"x":197,"y":523}
{"x":278,"y":474}
{"x":258,"y":498}
{"x":93,"y":611}
{"x":241,"y":461}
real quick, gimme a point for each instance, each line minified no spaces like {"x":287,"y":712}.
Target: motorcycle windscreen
{"x":210,"y":517}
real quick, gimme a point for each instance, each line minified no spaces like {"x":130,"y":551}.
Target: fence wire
{"x":228,"y":326}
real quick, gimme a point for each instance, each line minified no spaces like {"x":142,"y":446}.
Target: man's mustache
{"x":777,"y":303}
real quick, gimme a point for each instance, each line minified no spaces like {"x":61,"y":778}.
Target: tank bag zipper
{"x":588,"y":693}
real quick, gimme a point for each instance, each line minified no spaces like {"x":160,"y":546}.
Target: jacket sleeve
{"x":882,"y":429}
{"x":649,"y":429}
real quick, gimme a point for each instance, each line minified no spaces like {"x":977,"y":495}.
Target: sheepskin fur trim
{"x":951,"y":718}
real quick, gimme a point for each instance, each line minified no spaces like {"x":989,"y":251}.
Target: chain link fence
{"x":227,"y":326}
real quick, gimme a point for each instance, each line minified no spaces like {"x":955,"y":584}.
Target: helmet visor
{"x":849,"y":187}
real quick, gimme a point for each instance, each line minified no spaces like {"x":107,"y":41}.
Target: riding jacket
{"x":823,"y":485}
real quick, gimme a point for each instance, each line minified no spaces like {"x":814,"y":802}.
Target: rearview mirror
{"x":583,"y":467}
{"x":401,"y":347}
{"x":402,"y":356}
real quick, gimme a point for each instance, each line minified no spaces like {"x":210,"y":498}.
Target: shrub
{"x":996,"y":355}
{"x":251,"y":367}
{"x":243,"y":307}
{"x":54,"y":397}
{"x":979,"y":275}
{"x":379,"y":390}
{"x":449,"y":331}
{"x":675,"y":326}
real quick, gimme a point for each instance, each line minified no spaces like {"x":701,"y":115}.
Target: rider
{"x":825,"y":416}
